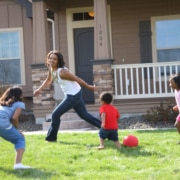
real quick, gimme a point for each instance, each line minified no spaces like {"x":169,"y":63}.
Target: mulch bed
{"x":139,"y":122}
{"x":27,"y":123}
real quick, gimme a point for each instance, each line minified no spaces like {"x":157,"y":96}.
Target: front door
{"x":84,"y":54}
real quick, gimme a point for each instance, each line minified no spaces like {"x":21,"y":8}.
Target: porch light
{"x":91,"y":13}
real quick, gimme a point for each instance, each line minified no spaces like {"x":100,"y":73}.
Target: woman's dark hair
{"x":10,"y":96}
{"x":60,"y":58}
{"x":106,"y":97}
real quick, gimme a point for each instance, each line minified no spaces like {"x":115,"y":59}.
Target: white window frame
{"x":153,"y":30}
{"x":21,"y":47}
{"x":80,"y":24}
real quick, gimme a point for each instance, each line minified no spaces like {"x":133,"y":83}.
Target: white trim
{"x":79,"y":24}
{"x":21,"y":40}
{"x":153,"y":27}
{"x":53,"y":33}
{"x":70,"y":26}
{"x":130,"y":81}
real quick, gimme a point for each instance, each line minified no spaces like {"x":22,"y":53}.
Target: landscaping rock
{"x":27,"y":123}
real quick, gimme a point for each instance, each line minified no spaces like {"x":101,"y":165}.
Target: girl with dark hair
{"x":11,"y":106}
{"x":174,"y":83}
{"x":71,"y":86}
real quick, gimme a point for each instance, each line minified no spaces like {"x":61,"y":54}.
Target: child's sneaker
{"x":21,"y":166}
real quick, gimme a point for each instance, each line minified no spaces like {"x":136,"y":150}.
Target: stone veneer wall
{"x":39,"y":74}
{"x":103,"y":77}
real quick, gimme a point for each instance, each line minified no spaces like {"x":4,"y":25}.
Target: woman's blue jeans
{"x":70,"y":101}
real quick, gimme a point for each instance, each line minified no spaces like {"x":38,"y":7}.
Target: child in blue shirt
{"x":11,"y":106}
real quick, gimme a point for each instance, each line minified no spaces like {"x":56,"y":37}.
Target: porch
{"x":137,"y":87}
{"x":148,"y":80}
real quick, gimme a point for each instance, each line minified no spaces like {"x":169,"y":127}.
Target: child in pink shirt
{"x":174,"y":83}
{"x":109,"y":121}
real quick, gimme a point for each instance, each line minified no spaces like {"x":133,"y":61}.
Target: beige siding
{"x":58,"y":5}
{"x":61,"y":24}
{"x":63,"y":35}
{"x":3,"y":13}
{"x":13,"y":15}
{"x":27,"y":32}
{"x":126,"y":16}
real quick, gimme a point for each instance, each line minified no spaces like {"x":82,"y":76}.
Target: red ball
{"x":130,"y":141}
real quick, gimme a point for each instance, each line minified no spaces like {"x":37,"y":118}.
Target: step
{"x":70,"y":124}
{"x":73,"y":121}
{"x":70,"y":121}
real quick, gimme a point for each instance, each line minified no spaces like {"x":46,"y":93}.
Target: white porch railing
{"x":148,"y":80}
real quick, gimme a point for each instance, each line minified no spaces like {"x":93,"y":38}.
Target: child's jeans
{"x":12,"y":135}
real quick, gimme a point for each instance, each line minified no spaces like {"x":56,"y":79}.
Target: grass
{"x":75,"y":156}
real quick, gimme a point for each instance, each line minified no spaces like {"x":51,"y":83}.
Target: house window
{"x":81,"y":16}
{"x":166,"y":39}
{"x":11,"y":57}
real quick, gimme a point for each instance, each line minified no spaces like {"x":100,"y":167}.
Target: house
{"x":16,"y":51}
{"x":129,"y":48}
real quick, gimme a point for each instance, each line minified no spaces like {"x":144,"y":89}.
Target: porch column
{"x":45,"y":101}
{"x":103,"y":76}
{"x":40,"y":31}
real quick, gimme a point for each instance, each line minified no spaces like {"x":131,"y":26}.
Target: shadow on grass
{"x":156,"y":130}
{"x":68,"y":143}
{"x":131,"y":151}
{"x":28,"y":173}
{"x":77,"y":143}
{"x":137,"y":151}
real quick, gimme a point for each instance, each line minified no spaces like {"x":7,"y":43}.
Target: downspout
{"x":58,"y":94}
{"x":53,"y":32}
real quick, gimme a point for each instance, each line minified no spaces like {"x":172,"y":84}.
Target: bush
{"x":162,"y":112}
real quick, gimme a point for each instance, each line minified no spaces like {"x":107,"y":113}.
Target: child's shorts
{"x":109,"y":134}
{"x":178,"y":118}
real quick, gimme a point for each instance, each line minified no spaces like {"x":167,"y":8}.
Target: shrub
{"x":162,"y":112}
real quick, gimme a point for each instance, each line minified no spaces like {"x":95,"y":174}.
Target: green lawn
{"x":75,"y":157}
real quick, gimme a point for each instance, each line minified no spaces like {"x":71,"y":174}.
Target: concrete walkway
{"x":91,"y":131}
{"x":62,"y":131}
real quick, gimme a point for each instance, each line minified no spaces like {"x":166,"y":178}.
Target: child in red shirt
{"x":109,"y":120}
